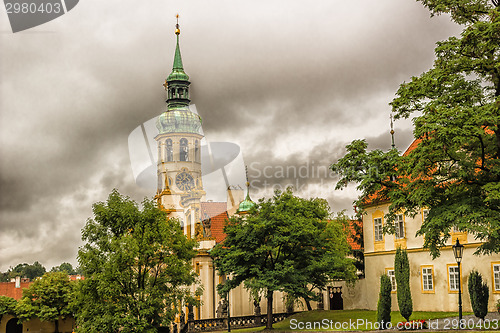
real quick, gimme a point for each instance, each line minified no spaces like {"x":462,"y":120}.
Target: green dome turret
{"x":247,"y":204}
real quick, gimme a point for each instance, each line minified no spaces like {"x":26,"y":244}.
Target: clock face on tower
{"x":184,"y":181}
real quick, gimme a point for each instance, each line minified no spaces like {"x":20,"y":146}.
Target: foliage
{"x":284,"y":243}
{"x":7,"y":306}
{"x":384,"y":301}
{"x":137,"y":266}
{"x":455,"y":106}
{"x":48,"y":298}
{"x":402,"y":274}
{"x":479,"y":294}
{"x":25,"y":270}
{"x":64,"y":267}
{"x":357,"y":236}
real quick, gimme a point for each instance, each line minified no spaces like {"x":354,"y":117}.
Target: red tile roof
{"x":351,"y":232}
{"x":9,"y":289}
{"x":216,"y":211}
{"x":378,"y":197}
{"x":413,"y":145}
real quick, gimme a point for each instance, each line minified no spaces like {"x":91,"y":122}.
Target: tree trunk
{"x":269,"y":325}
{"x":56,"y":326}
{"x":308,"y":304}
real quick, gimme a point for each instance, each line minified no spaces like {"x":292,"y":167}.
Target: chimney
{"x":18,"y":282}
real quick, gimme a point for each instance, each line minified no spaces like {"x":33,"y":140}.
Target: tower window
{"x":196,"y":151}
{"x":169,"y":151}
{"x":184,"y":150}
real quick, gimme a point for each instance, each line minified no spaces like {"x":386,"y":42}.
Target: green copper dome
{"x":179,"y":120}
{"x":246,"y":204}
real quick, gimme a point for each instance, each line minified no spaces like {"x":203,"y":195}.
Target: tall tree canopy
{"x":285,"y":243}
{"x":26,"y":270}
{"x":137,"y":265}
{"x":455,"y":106}
{"x":64,"y":267}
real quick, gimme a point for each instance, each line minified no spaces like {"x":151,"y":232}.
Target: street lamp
{"x":458,"y":251}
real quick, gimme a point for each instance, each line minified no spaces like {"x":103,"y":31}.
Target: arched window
{"x":169,"y":151}
{"x":184,"y":150}
{"x":196,"y":151}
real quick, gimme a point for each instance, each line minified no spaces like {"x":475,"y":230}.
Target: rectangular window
{"x":496,"y":276}
{"x":400,"y":228}
{"x":377,"y":225}
{"x":392,"y":277}
{"x":453,"y":277}
{"x":425,"y":213}
{"x":427,"y":282}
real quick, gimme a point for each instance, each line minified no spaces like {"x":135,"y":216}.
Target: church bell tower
{"x":180,"y":188}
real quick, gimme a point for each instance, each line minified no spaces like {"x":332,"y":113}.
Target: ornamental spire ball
{"x":177,"y":29}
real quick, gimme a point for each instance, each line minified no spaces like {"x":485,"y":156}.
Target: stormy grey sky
{"x":290,"y":82}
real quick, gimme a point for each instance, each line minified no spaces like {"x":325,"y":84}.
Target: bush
{"x":479,"y":293}
{"x":7,"y":306}
{"x":402,"y":274}
{"x":384,"y":301}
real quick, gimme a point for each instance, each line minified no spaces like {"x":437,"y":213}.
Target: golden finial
{"x":177,"y":30}
{"x":165,"y":85}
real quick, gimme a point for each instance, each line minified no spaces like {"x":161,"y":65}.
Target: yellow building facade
{"x":433,"y":283}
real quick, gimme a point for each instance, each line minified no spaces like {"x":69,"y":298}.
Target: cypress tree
{"x":384,"y":301}
{"x":479,"y":293}
{"x":402,"y":273}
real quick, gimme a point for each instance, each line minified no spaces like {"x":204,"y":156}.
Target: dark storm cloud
{"x":271,"y":76}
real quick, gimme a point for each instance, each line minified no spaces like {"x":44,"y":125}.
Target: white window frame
{"x":425,"y":213}
{"x":378,"y":229}
{"x":399,"y":224}
{"x":453,"y":277}
{"x":496,"y":277}
{"x":392,"y":276}
{"x":427,"y":279}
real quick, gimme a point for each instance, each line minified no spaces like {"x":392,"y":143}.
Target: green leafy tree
{"x":454,"y":171}
{"x":356,"y":234}
{"x":29,"y":271}
{"x":285,"y":243}
{"x":137,"y":265}
{"x":4,"y":277}
{"x":64,"y":267}
{"x":384,"y":302}
{"x":48,"y":298}
{"x":402,"y":274}
{"x":7,"y":306}
{"x":479,"y":294}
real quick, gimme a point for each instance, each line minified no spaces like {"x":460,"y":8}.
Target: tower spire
{"x":392,"y":134}
{"x":177,"y":57}
{"x":248,"y":184}
{"x":177,"y":83}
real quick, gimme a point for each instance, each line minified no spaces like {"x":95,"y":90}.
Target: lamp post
{"x":458,"y":251}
